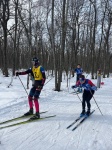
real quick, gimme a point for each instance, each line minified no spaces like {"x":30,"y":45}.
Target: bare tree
{"x":4,"y":19}
{"x":15,"y":36}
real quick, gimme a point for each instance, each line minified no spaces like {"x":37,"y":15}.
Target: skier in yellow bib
{"x":39,"y":76}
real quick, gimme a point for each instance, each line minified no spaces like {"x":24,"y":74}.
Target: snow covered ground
{"x":51,"y":134}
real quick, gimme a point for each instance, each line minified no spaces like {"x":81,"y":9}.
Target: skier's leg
{"x":89,"y":97}
{"x":83,"y":104}
{"x":36,"y":96}
{"x":30,"y":101}
{"x":84,"y":100}
{"x":30,"y":97}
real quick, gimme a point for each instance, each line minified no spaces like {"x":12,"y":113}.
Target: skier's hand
{"x":74,"y":86}
{"x":18,"y":73}
{"x":39,"y":87}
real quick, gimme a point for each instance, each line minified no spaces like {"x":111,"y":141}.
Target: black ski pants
{"x":87,"y":96}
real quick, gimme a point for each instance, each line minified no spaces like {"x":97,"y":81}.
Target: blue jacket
{"x":79,"y":71}
{"x":87,"y":85}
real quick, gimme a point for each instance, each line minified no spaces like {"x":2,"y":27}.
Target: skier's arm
{"x":91,"y":86}
{"x":24,"y":72}
{"x":43,"y":75}
{"x":90,"y":83}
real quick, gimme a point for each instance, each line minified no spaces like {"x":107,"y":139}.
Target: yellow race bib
{"x":37,"y":73}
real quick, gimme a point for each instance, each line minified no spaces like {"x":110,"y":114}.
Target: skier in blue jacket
{"x":89,"y":90}
{"x":79,"y":71}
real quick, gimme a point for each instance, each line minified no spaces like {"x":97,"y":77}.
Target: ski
{"x":82,"y":121}
{"x":74,"y":122}
{"x":27,"y":121}
{"x":21,"y":117}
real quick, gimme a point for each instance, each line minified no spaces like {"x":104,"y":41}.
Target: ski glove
{"x":18,"y":73}
{"x":94,"y":88}
{"x":74,"y":86}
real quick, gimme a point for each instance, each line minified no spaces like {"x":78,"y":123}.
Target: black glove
{"x":18,"y":73}
{"x":73,"y":87}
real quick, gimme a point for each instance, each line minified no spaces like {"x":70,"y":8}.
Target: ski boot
{"x":87,"y":113}
{"x":36,"y":116}
{"x":30,"y":112}
{"x":82,"y":113}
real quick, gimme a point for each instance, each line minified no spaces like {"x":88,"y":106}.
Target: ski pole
{"x":77,"y":95}
{"x":49,"y":75}
{"x":23,"y":85}
{"x":10,"y":84}
{"x":48,"y":81}
{"x":96,"y":103}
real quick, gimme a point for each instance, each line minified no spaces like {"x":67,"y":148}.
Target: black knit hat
{"x":35,"y":59}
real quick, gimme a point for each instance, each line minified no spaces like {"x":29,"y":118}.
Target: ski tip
{"x":67,"y":127}
{"x":73,"y":129}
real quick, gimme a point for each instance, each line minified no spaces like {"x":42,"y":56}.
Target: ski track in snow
{"x":51,"y":134}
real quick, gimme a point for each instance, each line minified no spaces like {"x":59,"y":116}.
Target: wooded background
{"x":61,"y":33}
